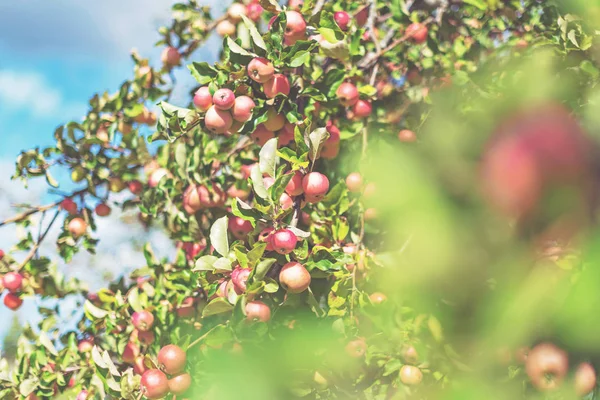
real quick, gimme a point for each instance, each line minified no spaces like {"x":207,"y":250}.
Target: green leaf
{"x":203,"y":72}
{"x":316,"y":140}
{"x":254,"y":34}
{"x":217,"y":306}
{"x":218,"y":236}
{"x":27,"y":386}
{"x":205,"y":263}
{"x":262,"y":268}
{"x":47,"y":343}
{"x":240,"y":209}
{"x":257,"y":183}
{"x":267,"y":157}
{"x":93,"y":311}
{"x":51,"y":181}
{"x":133,"y":298}
{"x":477,"y":3}
{"x":435,"y":328}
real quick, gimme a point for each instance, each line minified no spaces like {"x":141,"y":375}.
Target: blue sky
{"x":54,"y":55}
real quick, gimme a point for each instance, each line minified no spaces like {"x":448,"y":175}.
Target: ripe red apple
{"x":102,"y":210}
{"x":239,"y":227}
{"x":407,"y":136}
{"x":225,"y":28}
{"x":242,"y":108}
{"x":171,"y":359}
{"x":410,"y":355}
{"x":275,"y":121}
{"x":77,"y":227}
{"x":135,"y":187}
{"x":286,"y":202}
{"x":347,"y":93}
{"x":130,"y":352}
{"x":286,"y":134}
{"x":279,"y":83}
{"x":342,"y":18}
{"x":265,"y":236}
{"x":377,"y":298}
{"x":257,"y":311}
{"x":315,"y":186}
{"x":294,"y":277}
{"x":370,"y":190}
{"x":246,"y":169}
{"x":354,"y":182}
{"x":295,"y":28}
{"x":144,"y":337}
{"x":261,"y":70}
{"x":356,"y":348}
{"x":295,"y":4}
{"x":254,"y":11}
{"x":223,"y":99}
{"x":69,"y":206}
{"x":294,"y":186}
{"x":334,"y":134}
{"x":142,"y":320}
{"x":1,"y":254}
{"x":417,"y":32}
{"x":585,"y":379}
{"x":240,"y":193}
{"x":192,"y":249}
{"x":138,"y":365}
{"x":547,"y":366}
{"x":13,"y":281}
{"x":239,"y":277}
{"x":362,"y":108}
{"x":235,"y":12}
{"x":370,"y":214}
{"x":261,"y":135}
{"x":154,"y":384}
{"x":12,"y":301}
{"x":82,"y":395}
{"x":187,"y":308}
{"x":329,"y":151}
{"x":410,"y":375}
{"x":202,"y":99}
{"x":156,"y":176}
{"x":170,"y":57}
{"x":284,"y":241}
{"x":512,"y":179}
{"x":85,"y":345}
{"x":218,"y":121}
{"x":179,"y":384}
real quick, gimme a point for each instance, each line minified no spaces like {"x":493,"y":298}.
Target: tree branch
{"x":34,"y":249}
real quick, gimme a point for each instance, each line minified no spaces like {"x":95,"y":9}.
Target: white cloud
{"x":28,"y":90}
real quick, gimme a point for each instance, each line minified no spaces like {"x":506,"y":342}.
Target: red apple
{"x":354,"y":182}
{"x":225,"y":28}
{"x":77,"y":227}
{"x":347,"y":93}
{"x":171,"y":359}
{"x":585,"y":379}
{"x":547,"y":365}
{"x":130,"y":352}
{"x":179,"y":384}
{"x":242,"y":108}
{"x":417,"y":32}
{"x":223,"y":99}
{"x":142,"y":320}
{"x":410,"y":375}
{"x":170,"y":56}
{"x":356,"y":348}
{"x":407,"y":136}
{"x":362,"y":108}
{"x":202,"y":99}
{"x":261,"y":135}
{"x":135,"y":187}
{"x":294,"y":186}
{"x":12,"y":301}
{"x":342,"y":18}
{"x":284,"y":241}
{"x":315,"y":186}
{"x":69,"y":206}
{"x":275,"y":121}
{"x":260,"y":70}
{"x":279,"y":83}
{"x":239,"y":227}
{"x":154,"y":384}
{"x":257,"y":311}
{"x":102,"y":210}
{"x":13,"y":281}
{"x":294,"y":277}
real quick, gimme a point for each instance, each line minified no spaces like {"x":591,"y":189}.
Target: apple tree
{"x":369,"y":199}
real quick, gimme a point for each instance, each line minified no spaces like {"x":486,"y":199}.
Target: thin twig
{"x":318,"y":7}
{"x":297,"y":212}
{"x":39,"y":242}
{"x":195,"y":342}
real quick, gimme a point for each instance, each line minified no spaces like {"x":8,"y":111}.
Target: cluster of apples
{"x":13,"y":283}
{"x":547,"y":367}
{"x":171,"y":361}
{"x":228,"y":26}
{"x":355,"y":184}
